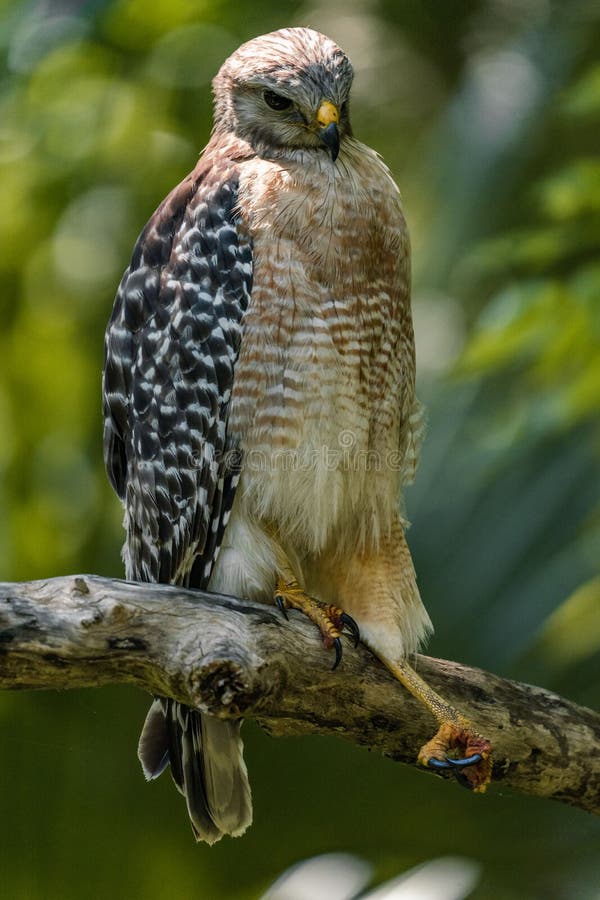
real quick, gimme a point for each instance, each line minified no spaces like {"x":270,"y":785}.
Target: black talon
{"x":338,"y":653}
{"x":438,"y":763}
{"x":352,"y":627}
{"x":456,"y":765}
{"x":280,"y":605}
{"x":464,"y":763}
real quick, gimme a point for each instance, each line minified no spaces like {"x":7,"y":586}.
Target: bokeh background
{"x":488,"y":113}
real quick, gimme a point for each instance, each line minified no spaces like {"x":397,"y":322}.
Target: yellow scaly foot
{"x":456,"y":747}
{"x":330,"y":620}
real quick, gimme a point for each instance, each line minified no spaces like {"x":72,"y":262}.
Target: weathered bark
{"x":234,"y":658}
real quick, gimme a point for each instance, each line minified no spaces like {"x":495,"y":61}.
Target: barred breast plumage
{"x":324,"y":386}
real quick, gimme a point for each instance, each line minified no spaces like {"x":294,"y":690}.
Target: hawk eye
{"x":276,"y":101}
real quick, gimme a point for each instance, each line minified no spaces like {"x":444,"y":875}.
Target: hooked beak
{"x":327,"y":121}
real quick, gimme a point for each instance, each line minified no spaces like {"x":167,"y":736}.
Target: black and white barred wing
{"x":170,"y":351}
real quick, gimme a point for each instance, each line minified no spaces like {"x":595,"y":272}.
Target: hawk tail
{"x":207,"y":764}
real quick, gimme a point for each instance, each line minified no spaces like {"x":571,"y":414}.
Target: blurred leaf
{"x":516,"y":326}
{"x":136,"y":24}
{"x":583,"y":99}
{"x":572,"y":633}
{"x":190,"y":55}
{"x":573,"y":191}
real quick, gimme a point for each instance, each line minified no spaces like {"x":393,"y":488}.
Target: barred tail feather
{"x":225,"y":775}
{"x":153,"y":746}
{"x":207,"y":765}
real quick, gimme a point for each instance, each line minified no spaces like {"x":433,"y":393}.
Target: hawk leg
{"x":456,"y":746}
{"x":329,"y":619}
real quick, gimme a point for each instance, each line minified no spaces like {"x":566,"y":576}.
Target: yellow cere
{"x":327,"y":114}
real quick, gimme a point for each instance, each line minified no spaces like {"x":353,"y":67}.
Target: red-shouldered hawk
{"x":260,"y":414}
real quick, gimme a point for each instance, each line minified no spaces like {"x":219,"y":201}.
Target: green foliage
{"x":572,"y":634}
{"x":488,"y":115}
{"x":545,"y":317}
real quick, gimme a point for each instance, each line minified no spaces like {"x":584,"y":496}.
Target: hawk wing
{"x":170,"y":351}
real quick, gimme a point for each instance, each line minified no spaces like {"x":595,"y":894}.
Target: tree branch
{"x":234,"y":658}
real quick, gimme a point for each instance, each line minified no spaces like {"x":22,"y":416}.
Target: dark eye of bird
{"x":276,"y":101}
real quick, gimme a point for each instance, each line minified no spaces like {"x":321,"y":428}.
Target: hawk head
{"x":287,"y":90}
